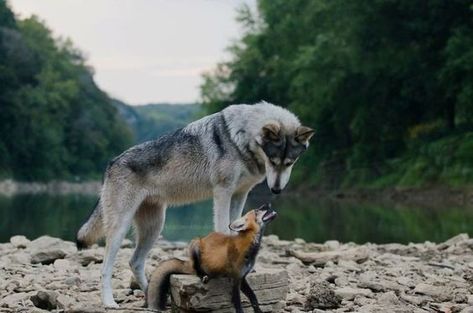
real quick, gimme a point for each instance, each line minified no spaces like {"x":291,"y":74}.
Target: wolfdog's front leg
{"x":222,"y":198}
{"x":237,"y":205}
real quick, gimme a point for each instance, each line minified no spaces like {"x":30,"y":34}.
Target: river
{"x":310,"y":218}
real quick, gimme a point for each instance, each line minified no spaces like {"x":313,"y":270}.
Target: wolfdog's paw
{"x":205,"y":279}
{"x":111,"y":304}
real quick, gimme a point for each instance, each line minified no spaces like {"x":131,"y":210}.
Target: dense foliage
{"x":378,"y":80}
{"x":54,"y":121}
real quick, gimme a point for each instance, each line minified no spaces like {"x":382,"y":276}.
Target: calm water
{"x":308,"y":218}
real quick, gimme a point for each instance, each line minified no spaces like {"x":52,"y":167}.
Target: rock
{"x":45,"y":300}
{"x":322,"y":296}
{"x":62,"y":265}
{"x":21,"y":242}
{"x":332,"y":244}
{"x":65,"y":302}
{"x":436,"y":292}
{"x":72,"y":281}
{"x":13,"y":300}
{"x":47,"y":257}
{"x":416,"y":300}
{"x":46,"y":249}
{"x":89,"y":308}
{"x":388,"y":298}
{"x":349,"y":293}
{"x":294,"y":299}
{"x":86,"y":257}
{"x":127,"y":243}
{"x":372,"y":285}
{"x":358,"y":255}
{"x":188,"y":292}
{"x":20,"y":257}
{"x":453,"y":241}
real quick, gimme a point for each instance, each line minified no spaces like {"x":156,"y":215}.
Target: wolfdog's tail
{"x":92,"y":230}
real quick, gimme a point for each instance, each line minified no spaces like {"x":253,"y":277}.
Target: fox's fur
{"x":216,"y":255}
{"x":223,"y":155}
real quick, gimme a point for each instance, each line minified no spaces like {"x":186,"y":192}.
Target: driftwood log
{"x":189,"y":294}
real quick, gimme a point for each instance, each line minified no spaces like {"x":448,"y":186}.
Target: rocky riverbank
{"x":50,"y":274}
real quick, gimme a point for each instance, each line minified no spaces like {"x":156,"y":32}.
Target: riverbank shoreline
{"x":436,"y":195}
{"x":431,"y":196}
{"x":49,"y":273}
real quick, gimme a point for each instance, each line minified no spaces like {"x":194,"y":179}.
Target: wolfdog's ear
{"x":271,"y":132}
{"x":239,"y":224}
{"x":303,"y":134}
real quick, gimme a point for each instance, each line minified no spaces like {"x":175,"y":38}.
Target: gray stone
{"x":453,"y":241}
{"x":436,"y":292}
{"x":127,"y":243}
{"x":388,"y":298}
{"x":46,"y":249}
{"x":13,"y":300}
{"x":45,"y":300}
{"x":349,"y":293}
{"x":332,"y":244}
{"x":372,"y":285}
{"x":65,"y":302}
{"x":188,"y":292}
{"x":19,"y":241}
{"x":358,"y":255}
{"x":62,"y":265}
{"x":86,"y":257}
{"x":322,"y":296}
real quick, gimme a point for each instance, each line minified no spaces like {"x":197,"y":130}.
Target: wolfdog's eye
{"x":272,"y":163}
{"x":288,"y":163}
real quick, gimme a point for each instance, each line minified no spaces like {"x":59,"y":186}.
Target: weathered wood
{"x":189,"y":294}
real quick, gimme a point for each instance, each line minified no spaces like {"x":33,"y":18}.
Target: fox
{"x":217,"y":255}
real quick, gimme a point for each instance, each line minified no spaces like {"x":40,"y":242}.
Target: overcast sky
{"x":144,"y":50}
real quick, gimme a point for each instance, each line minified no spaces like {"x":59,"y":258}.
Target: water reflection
{"x":309,"y":218}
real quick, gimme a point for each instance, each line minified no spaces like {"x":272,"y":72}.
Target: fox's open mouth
{"x":269,"y":215}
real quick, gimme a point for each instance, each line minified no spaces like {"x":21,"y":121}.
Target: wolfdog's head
{"x":282,"y":147}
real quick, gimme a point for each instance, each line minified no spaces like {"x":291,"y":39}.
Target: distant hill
{"x":153,"y":120}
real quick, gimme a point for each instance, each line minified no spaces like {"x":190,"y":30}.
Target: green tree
{"x":363,"y":73}
{"x":55,"y":123}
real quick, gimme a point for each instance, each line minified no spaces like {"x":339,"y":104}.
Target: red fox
{"x":216,"y":255}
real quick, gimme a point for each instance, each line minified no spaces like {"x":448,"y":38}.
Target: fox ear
{"x":239,"y":224}
{"x":303,"y":134}
{"x":271,"y":132}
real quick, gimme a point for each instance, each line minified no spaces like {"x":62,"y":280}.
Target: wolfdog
{"x":223,"y":155}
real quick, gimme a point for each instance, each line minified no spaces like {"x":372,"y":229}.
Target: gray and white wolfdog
{"x":223,"y":155}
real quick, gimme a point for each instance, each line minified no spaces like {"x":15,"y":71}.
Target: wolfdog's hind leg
{"x":149,"y":221}
{"x":117,"y":218}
